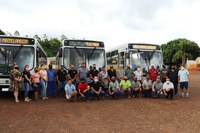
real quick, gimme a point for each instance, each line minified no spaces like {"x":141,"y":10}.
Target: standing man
{"x":153,"y":73}
{"x":129,"y":73}
{"x":111,"y":72}
{"x":61,"y":78}
{"x":51,"y":74}
{"x":83,"y":72}
{"x":120,"y":73}
{"x":94,"y":72}
{"x":44,"y":80}
{"x":183,"y":75}
{"x":163,"y":74}
{"x":173,"y":76}
{"x":168,"y":89}
{"x":103,"y":74}
{"x":72,"y":74}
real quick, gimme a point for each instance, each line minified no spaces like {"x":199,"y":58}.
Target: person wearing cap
{"x":147,"y":87}
{"x":153,"y":73}
{"x":157,"y":88}
{"x":113,"y":88}
{"x":125,"y":86}
{"x":51,"y":84}
{"x":16,"y":81}
{"x":61,"y":78}
{"x":183,"y":76}
{"x":120,"y":73}
{"x":94,"y":72}
{"x":136,"y":87}
{"x":96,"y":88}
{"x":72,"y":74}
{"x":70,"y":91}
{"x":168,"y":89}
{"x":84,"y":90}
{"x":129,"y":73}
{"x":111,"y":72}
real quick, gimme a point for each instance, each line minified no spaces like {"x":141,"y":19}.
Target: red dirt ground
{"x":137,"y":115}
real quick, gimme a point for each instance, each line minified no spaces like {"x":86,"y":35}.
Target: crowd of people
{"x":90,"y":84}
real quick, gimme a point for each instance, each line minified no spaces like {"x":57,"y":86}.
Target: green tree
{"x":179,"y":50}
{"x":2,"y":32}
{"x":50,"y":46}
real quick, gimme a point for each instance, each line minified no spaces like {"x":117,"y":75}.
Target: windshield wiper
{"x":79,"y":53}
{"x":20,"y":48}
{"x":92,"y":52}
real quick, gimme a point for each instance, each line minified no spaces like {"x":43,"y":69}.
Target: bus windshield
{"x":77,"y":56}
{"x":10,"y":55}
{"x":144,"y":59}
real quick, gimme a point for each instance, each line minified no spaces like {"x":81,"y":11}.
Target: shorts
{"x":184,"y":85}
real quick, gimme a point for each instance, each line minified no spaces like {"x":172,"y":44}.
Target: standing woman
{"x":35,"y":78}
{"x":44,"y":80}
{"x":16,"y":82}
{"x":27,"y":83}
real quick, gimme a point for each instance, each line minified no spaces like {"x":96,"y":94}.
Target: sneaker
{"x":187,"y":95}
{"x":29,"y":99}
{"x":46,"y":98}
{"x":182,"y":95}
{"x":26,"y":100}
{"x":43,"y":98}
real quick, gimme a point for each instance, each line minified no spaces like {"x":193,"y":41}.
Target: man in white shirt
{"x":168,"y":89}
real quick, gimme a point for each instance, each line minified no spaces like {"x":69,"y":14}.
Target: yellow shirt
{"x":125,"y":84}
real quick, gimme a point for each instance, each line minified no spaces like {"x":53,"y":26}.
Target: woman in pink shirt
{"x":35,"y":77}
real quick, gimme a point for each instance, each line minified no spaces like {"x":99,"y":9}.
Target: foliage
{"x":51,"y":46}
{"x":179,"y":50}
{"x":2,"y":32}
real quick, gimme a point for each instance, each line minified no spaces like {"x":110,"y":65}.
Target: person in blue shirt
{"x":51,"y":81}
{"x":183,"y":75}
{"x":70,"y":91}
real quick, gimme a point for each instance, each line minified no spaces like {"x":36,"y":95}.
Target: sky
{"x":114,"y":22}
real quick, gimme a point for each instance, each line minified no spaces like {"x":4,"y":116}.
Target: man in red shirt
{"x":84,"y":90}
{"x":153,"y":73}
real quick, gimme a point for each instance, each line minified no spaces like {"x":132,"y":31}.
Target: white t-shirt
{"x":167,"y":87}
{"x":138,"y":75}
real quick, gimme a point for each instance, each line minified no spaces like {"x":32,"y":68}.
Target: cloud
{"x":113,"y":21}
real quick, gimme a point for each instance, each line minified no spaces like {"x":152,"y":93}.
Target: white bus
{"x":77,"y":52}
{"x":135,"y":54}
{"x":21,"y":51}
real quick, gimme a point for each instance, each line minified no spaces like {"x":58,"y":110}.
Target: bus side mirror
{"x":127,"y":55}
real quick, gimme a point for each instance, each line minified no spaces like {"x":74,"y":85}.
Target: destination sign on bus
{"x":84,"y":43}
{"x":141,"y":46}
{"x":11,"y":40}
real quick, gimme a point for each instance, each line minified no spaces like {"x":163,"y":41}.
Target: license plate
{"x":5,"y":89}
